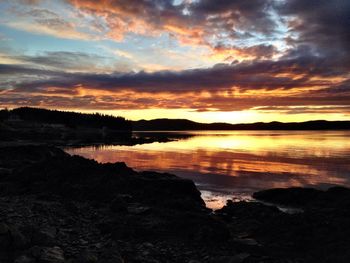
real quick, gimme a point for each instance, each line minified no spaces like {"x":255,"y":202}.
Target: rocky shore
{"x":57,"y":208}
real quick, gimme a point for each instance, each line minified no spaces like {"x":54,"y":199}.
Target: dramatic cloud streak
{"x":246,"y":85}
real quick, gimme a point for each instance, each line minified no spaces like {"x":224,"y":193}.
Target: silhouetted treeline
{"x":4,"y":114}
{"x":96,"y":120}
{"x":182,"y":124}
{"x":69,"y":119}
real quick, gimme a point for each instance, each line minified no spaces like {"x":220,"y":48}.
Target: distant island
{"x":73,"y":128}
{"x":183,"y":124}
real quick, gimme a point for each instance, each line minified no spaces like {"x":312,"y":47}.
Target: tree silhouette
{"x":69,"y":119}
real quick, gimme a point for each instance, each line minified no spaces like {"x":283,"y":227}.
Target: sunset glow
{"x":208,"y":61}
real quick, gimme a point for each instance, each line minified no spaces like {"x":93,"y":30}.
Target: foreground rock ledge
{"x":60,"y":208}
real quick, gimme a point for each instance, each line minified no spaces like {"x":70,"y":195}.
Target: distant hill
{"x":183,"y":124}
{"x":68,"y":119}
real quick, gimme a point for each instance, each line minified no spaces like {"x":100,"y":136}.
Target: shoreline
{"x":58,"y":208}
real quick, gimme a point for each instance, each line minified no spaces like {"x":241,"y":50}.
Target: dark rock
{"x":110,"y":213}
{"x":246,"y":241}
{"x":21,"y":155}
{"x":71,"y":207}
{"x":239,"y":258}
{"x":24,"y":259}
{"x":41,"y":237}
{"x":306,"y":197}
{"x":87,"y":257}
{"x":315,"y":235}
{"x":211,"y":231}
{"x":48,"y":254}
{"x":110,"y":256}
{"x":11,"y":238}
{"x":77,"y":178}
{"x":247,"y":209}
{"x":19,"y":241}
{"x":118,"y":204}
{"x":5,"y":240}
{"x":289,"y":197}
{"x":137,"y":209}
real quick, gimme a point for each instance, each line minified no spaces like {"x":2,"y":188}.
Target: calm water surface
{"x":233,"y":164}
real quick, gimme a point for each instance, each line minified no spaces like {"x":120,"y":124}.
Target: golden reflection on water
{"x":241,"y":162}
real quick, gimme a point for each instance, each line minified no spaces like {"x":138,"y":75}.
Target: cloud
{"x":31,"y":17}
{"x":262,"y":51}
{"x":28,"y":2}
{"x":194,"y":23}
{"x":308,"y":81}
{"x":3,"y":37}
{"x":240,"y":15}
{"x":305,"y":109}
{"x":323,"y":25}
{"x":65,"y":60}
{"x":249,"y":29}
{"x":258,"y":29}
{"x":54,"y":27}
{"x":252,"y":75}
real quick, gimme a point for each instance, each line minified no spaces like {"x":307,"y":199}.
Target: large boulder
{"x":305,"y":197}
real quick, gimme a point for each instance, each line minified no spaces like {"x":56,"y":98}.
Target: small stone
{"x":111,"y":256}
{"x":239,"y":258}
{"x":139,"y":210}
{"x":147,"y":245}
{"x":4,"y":229}
{"x":44,"y":237}
{"x":24,"y":259}
{"x":118,"y":204}
{"x":83,"y":242}
{"x":18,"y":239}
{"x":5,"y":240}
{"x":98,"y":245}
{"x":87,"y":257}
{"x":246,"y":241}
{"x":36,"y":251}
{"x":48,"y":254}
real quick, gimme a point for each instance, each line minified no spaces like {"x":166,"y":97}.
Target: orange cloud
{"x":198,"y":28}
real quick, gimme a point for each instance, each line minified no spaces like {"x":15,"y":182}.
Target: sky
{"x":206,"y":60}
